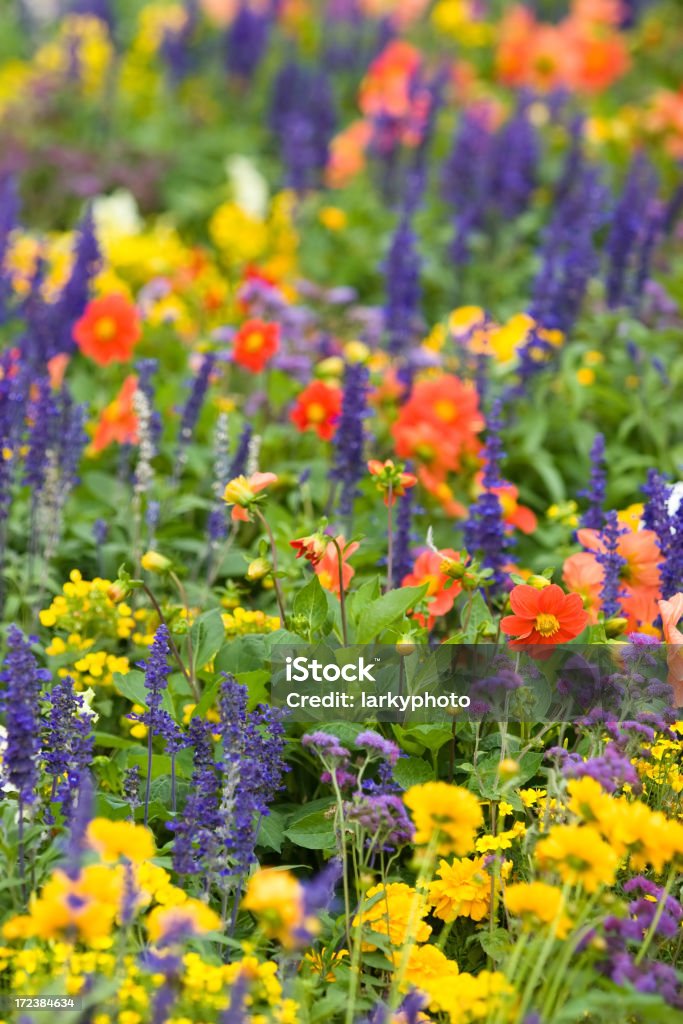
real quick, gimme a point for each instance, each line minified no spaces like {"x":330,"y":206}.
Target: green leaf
{"x":496,"y":944}
{"x":106,"y":739}
{"x":311,"y":604}
{"x":476,"y":615}
{"x":207,"y":699}
{"x":378,"y":615}
{"x":271,"y":832}
{"x":207,"y":635}
{"x":412,"y":771}
{"x":132,"y":686}
{"x":314,"y":832}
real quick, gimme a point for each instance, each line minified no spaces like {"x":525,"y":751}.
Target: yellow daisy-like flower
{"x":192,"y":917}
{"x":451,"y":813}
{"x":393,"y":910}
{"x":115,"y":839}
{"x":579,"y":855}
{"x":463,"y":889}
{"x":430,"y":971}
{"x":538,"y":901}
{"x":276,"y":898}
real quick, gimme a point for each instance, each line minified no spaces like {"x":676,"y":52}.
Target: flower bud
{"x":508,"y":768}
{"x":356,"y":352}
{"x":118,"y":591}
{"x":152,"y":561}
{"x":539,"y":582}
{"x":406,"y":645}
{"x":615,"y":626}
{"x":259,"y":568}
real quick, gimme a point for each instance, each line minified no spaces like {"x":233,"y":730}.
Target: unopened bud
{"x":615,"y":626}
{"x":539,"y":582}
{"x":259,"y":568}
{"x":118,"y":591}
{"x":152,"y":561}
{"x":508,"y":768}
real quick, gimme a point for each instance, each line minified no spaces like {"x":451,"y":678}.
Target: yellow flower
{"x":191,"y":917}
{"x":579,"y":855}
{"x":585,"y":376}
{"x":152,"y":561}
{"x":538,"y":901}
{"x":449,"y":812}
{"x":115,"y":839}
{"x":464,"y":890}
{"x":332,"y":218}
{"x":390,"y":910}
{"x":430,"y":971}
{"x":469,"y":997}
{"x":276,"y":898}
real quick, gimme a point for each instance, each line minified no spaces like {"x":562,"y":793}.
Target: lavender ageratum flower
{"x":634,"y":221}
{"x":664,"y":516}
{"x":401,"y":268}
{"x":594,"y":516}
{"x":192,"y":408}
{"x":403,"y":558}
{"x":484,"y":529}
{"x":325,"y":745}
{"x":349,"y":440}
{"x":9,"y":219}
{"x":377,"y":746}
{"x":22,"y":681}
{"x":612,"y":564}
{"x":195,"y":842}
{"x":568,"y":251}
{"x":383,"y":817}
{"x":303,"y":119}
{"x":612,"y":769}
{"x":67,"y":742}
{"x":76,"y":292}
{"x":246,"y":40}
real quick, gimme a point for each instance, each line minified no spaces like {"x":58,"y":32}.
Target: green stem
{"x":342,"y":598}
{"x":273,"y":551}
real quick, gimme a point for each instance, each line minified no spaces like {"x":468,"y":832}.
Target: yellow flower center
{"x":254,"y":341}
{"x":316,"y":413}
{"x":547,"y":625}
{"x":105,"y":328}
{"x":445,"y":410}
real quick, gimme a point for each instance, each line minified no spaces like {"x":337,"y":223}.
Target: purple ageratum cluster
{"x":612,"y":769}
{"x":383,"y":817}
{"x":663,"y":514}
{"x":594,"y":516}
{"x":67,"y":743}
{"x":376,"y":745}
{"x":652,"y":907}
{"x":484,"y":529}
{"x":303,"y":120}
{"x":22,"y":681}
{"x":349,"y":439}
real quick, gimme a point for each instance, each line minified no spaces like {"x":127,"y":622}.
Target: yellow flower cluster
{"x":243,"y":238}
{"x":277,"y":900}
{"x":462,"y":889}
{"x":241,"y":621}
{"x":538,"y":902}
{"x":86,"y":615}
{"x":469,"y":324}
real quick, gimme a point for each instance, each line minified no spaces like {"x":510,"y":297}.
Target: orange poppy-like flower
{"x":243,"y":492}
{"x":109,"y":330}
{"x":583,"y":574}
{"x":317,"y":408}
{"x":118,"y":421}
{"x":671,"y":612}
{"x":327,"y":569}
{"x":428,"y":569}
{"x":391,"y":479}
{"x":639,"y":574}
{"x":255,"y":344}
{"x":546,"y":616}
{"x":347,"y":154}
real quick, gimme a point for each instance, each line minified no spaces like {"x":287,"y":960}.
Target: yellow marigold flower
{"x":276,"y":898}
{"x":332,"y":218}
{"x":579,"y":855}
{"x":588,"y":800}
{"x":469,"y":997}
{"x":389,"y":910}
{"x":538,"y":901}
{"x":429,"y":970}
{"x":463,"y":889}
{"x":115,"y":839}
{"x":192,"y":917}
{"x":450,"y":812}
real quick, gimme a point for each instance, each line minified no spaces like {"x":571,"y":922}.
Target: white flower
{"x":249,"y":187}
{"x":87,"y":697}
{"x":117,"y":215}
{"x":675,"y":498}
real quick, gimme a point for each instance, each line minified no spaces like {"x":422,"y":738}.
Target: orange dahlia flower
{"x":546,"y":616}
{"x":317,"y":408}
{"x":118,"y":421}
{"x":109,"y":330}
{"x":255,"y":344}
{"x":428,"y":569}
